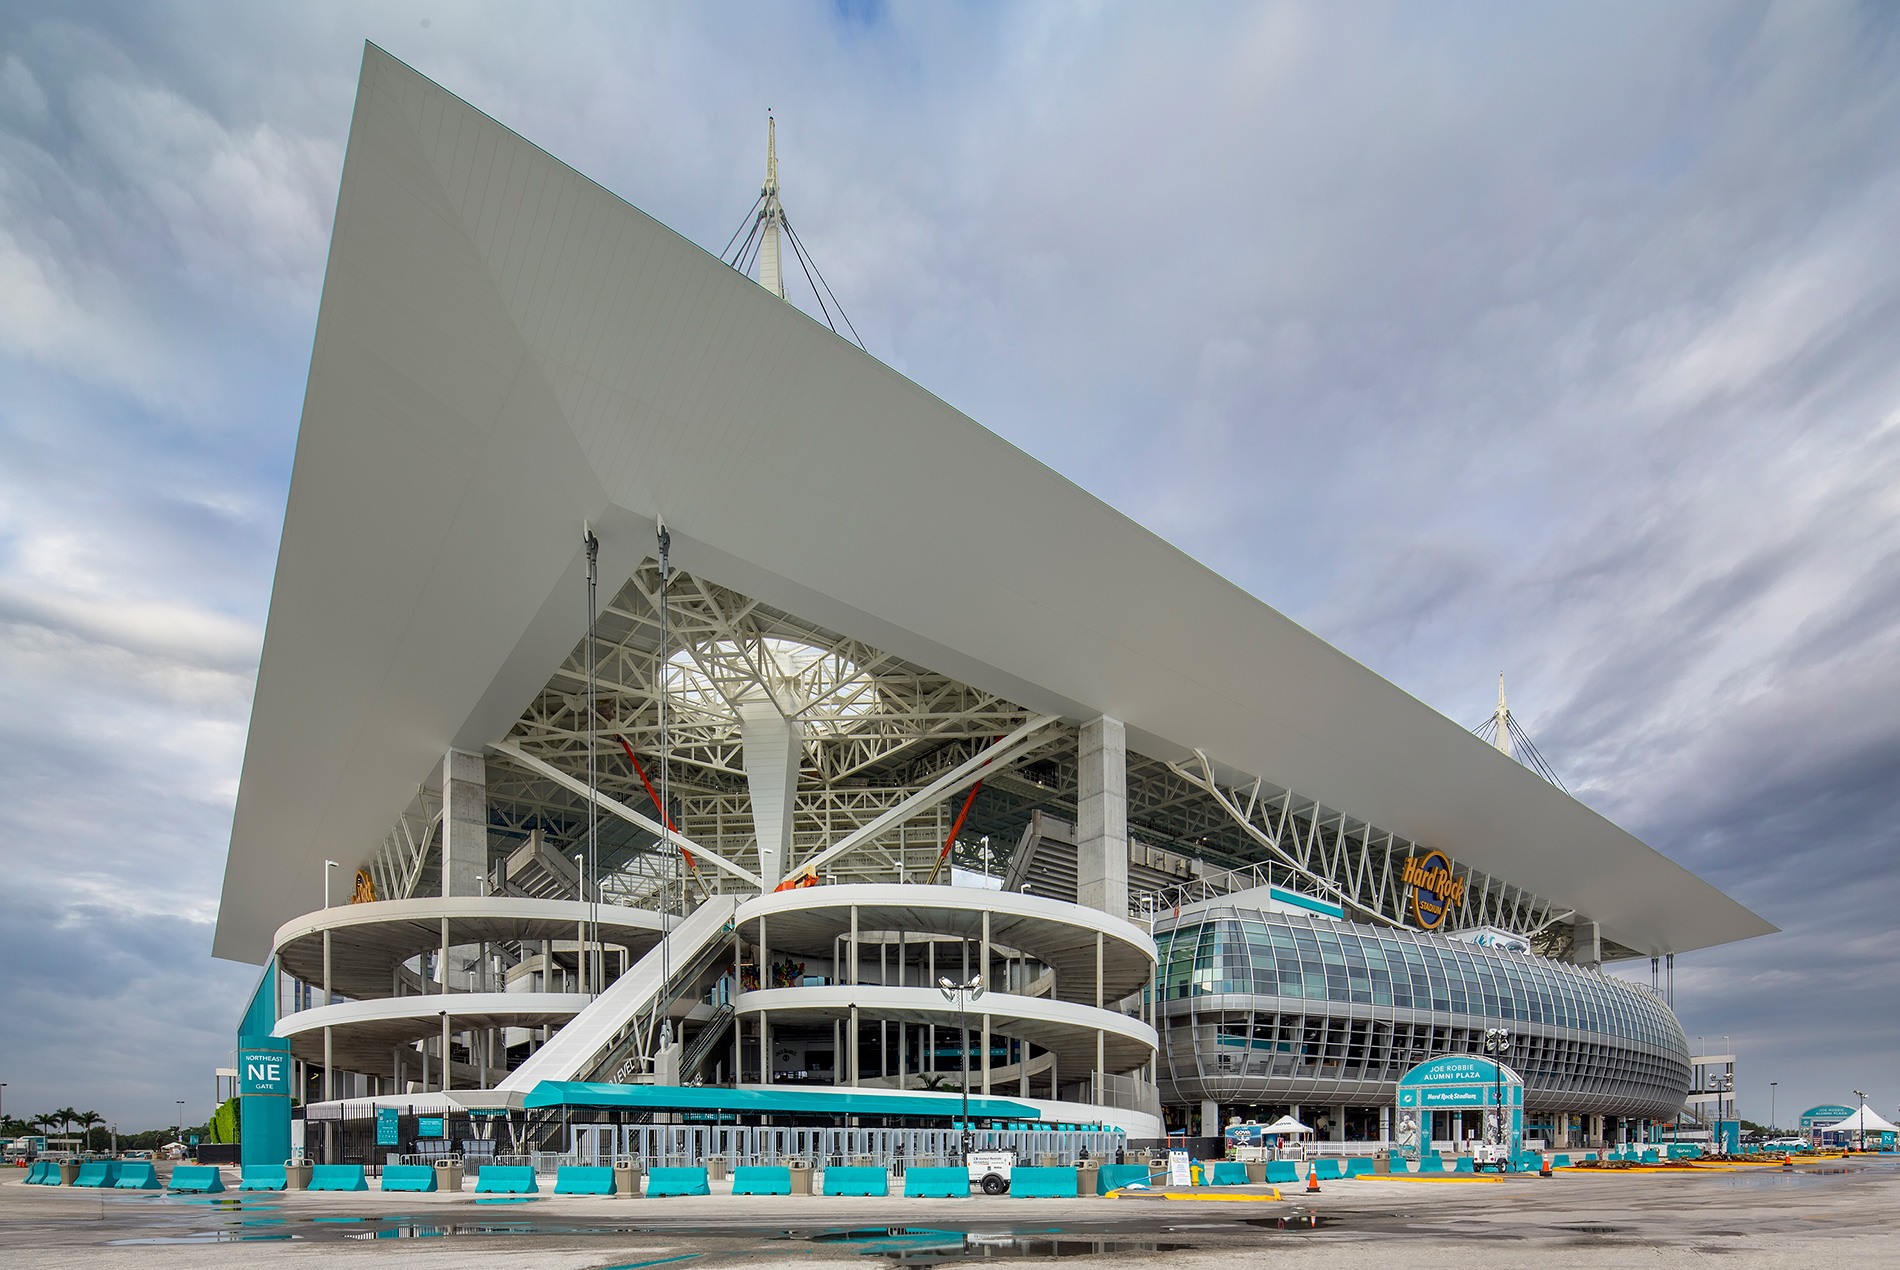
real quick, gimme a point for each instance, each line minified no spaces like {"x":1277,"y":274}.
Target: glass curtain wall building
{"x":1260,"y":1010}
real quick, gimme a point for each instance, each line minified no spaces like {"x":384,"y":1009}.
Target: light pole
{"x":956,"y":992}
{"x":327,"y":866}
{"x":181,"y":1120}
{"x":1497,"y":1043}
{"x":1861,"y":1119}
{"x":1772,"y":1127}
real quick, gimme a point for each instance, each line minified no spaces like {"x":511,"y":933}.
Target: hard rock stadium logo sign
{"x":1435,"y":892}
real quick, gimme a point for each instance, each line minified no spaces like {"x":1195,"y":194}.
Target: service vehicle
{"x":991,"y":1169}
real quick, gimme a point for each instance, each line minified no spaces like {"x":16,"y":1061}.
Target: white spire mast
{"x":771,"y":273}
{"x":1503,"y":739}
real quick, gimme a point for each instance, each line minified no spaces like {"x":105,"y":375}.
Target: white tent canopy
{"x":1285,"y":1125}
{"x":1865,"y":1119}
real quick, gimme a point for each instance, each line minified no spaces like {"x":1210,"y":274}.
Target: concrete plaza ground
{"x":1749,"y":1217}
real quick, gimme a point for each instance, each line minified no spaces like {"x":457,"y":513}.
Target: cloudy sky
{"x":1551,"y":341}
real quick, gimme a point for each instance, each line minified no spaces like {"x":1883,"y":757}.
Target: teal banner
{"x":388,"y":1132}
{"x":264,"y":1097}
{"x":429,"y":1127}
{"x":264,"y":1069}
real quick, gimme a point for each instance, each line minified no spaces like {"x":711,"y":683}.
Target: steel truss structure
{"x":877,"y":730}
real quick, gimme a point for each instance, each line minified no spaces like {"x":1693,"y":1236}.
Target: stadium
{"x":670,"y":714}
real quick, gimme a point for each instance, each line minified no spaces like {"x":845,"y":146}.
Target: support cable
{"x":805,"y":264}
{"x":751,"y":221}
{"x":666,"y":815}
{"x":800,"y":244}
{"x":590,"y":879}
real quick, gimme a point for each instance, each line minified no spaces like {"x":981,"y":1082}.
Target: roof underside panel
{"x":506,"y":350}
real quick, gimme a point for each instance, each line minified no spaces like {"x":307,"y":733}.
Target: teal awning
{"x":804,"y":1102}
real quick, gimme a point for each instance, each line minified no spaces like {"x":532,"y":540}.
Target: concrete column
{"x":1385,"y":1124}
{"x":986,"y":1041}
{"x":1101,"y":831}
{"x":1337,"y":1131}
{"x":1586,"y":944}
{"x":1210,"y":1118}
{"x":464,"y":823}
{"x":448,"y":1066}
{"x":853,"y":1039}
{"x":773,"y":746}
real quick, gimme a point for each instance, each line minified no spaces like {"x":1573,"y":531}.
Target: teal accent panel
{"x":584,"y":1179}
{"x":506,"y":1179}
{"x":936,"y":1183}
{"x":677,"y":1181}
{"x":1043,"y":1183}
{"x":408,"y":1177}
{"x":260,"y":1016}
{"x":761,"y":1179}
{"x":857,"y":1181}
{"x":263,"y":1100}
{"x":196,"y":1179}
{"x":138,"y":1175}
{"x":338,"y":1177}
{"x":98,"y":1173}
{"x":822,"y":1102}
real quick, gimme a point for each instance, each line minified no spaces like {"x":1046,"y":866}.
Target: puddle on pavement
{"x":915,"y":1245}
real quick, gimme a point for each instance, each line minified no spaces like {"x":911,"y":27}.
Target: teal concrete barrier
{"x":408,"y":1177}
{"x":1113,"y":1177}
{"x":338,"y":1177}
{"x":263,"y":1177}
{"x":761,"y":1179}
{"x":1560,"y":1161}
{"x":1651,"y":1156}
{"x":1329,"y":1168}
{"x":138,"y":1175}
{"x":43,"y":1173}
{"x":584,"y":1179}
{"x":936,"y":1183}
{"x":196,"y":1179}
{"x":1043,"y":1183}
{"x":97,"y":1173}
{"x":1360,"y":1165}
{"x":858,"y":1181}
{"x":1282,"y":1172}
{"x":1226,"y":1173}
{"x":1464,"y":1164}
{"x":1432,"y":1162}
{"x":677,"y":1181}
{"x":506,"y":1179}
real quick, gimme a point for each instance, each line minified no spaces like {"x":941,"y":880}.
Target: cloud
{"x":1557,"y":342}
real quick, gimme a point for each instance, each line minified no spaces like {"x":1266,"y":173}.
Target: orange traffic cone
{"x":1312,"y":1179}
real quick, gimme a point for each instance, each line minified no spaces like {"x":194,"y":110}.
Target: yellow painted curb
{"x":1118,"y":1193}
{"x":1425,"y":1177}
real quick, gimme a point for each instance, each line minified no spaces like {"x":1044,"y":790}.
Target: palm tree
{"x":66,"y":1117}
{"x":87,"y":1120}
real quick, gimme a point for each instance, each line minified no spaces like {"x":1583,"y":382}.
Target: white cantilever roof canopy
{"x":505,"y":351}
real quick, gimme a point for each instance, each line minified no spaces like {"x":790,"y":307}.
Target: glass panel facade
{"x":1276,"y":1008}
